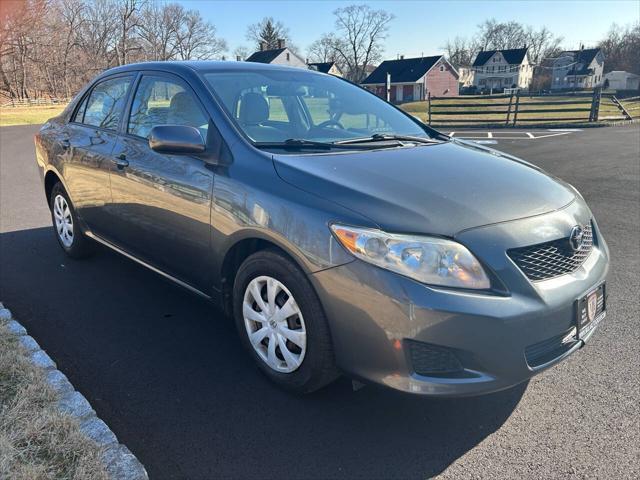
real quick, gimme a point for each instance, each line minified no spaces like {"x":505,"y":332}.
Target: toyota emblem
{"x":576,"y":237}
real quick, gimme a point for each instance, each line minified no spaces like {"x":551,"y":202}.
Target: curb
{"x":118,"y":460}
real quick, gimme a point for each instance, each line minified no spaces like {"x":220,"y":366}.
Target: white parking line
{"x":514,"y":135}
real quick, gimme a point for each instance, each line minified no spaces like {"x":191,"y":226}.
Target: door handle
{"x":121,"y":161}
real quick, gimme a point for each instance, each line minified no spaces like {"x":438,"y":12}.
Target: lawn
{"x":32,"y":115}
{"x":37,"y":441}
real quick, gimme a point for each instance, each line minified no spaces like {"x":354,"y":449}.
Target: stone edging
{"x":119,"y":462}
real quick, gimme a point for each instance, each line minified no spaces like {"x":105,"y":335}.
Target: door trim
{"x":108,"y":244}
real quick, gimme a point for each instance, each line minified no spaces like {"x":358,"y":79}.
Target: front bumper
{"x":375,"y":314}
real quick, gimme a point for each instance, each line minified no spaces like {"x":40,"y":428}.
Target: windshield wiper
{"x":300,"y":143}
{"x":381,"y":137}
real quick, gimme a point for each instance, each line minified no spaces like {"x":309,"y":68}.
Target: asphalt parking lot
{"x":166,"y":371}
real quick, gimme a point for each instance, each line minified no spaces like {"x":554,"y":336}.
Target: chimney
{"x":401,"y":57}
{"x":263,"y":46}
{"x":281,"y":43}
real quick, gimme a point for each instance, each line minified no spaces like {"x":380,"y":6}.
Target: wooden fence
{"x":524,"y":109}
{"x":34,"y":101}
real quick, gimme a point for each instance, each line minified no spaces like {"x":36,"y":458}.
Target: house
{"x":326,"y":67}
{"x":621,"y":80}
{"x":414,"y":78}
{"x":578,"y":69}
{"x":495,"y":70}
{"x":278,"y":56}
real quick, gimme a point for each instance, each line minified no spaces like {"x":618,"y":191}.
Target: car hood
{"x":436,"y":189}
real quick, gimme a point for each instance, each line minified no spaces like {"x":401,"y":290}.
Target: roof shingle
{"x":513,"y":56}
{"x":265,"y":56}
{"x":322,"y":67}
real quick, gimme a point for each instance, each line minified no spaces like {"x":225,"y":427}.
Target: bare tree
{"x":460,"y":51}
{"x":621,"y":48}
{"x":542,"y":44}
{"x":159,"y":28}
{"x":494,"y":35}
{"x":98,"y":36}
{"x":197,"y":39}
{"x":361,"y":32}
{"x":128,"y":22}
{"x":268,"y":31}
{"x":52,"y":47}
{"x":324,"y":49}
{"x":241,"y":53}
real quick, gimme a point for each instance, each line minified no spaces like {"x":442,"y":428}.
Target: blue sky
{"x":421,"y":27}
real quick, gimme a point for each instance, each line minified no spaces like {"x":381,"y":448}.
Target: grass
{"x":32,"y":115}
{"x":37,"y":441}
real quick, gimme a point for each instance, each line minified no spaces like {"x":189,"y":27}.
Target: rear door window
{"x":106,"y":102}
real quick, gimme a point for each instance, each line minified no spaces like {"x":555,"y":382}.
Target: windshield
{"x":276,"y":106}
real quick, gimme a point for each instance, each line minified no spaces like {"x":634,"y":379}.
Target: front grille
{"x":552,"y":259}
{"x":430,"y":360}
{"x":543,"y":352}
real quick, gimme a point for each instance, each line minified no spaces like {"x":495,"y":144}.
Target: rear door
{"x":161,"y":202}
{"x":87,"y":143}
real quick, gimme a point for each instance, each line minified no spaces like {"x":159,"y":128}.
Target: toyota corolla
{"x":342,"y":235}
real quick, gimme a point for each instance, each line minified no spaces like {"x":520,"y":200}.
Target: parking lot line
{"x":517,"y":135}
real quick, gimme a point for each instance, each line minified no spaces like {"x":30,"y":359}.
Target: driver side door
{"x":161,"y":202}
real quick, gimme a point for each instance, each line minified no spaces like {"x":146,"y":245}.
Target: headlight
{"x":430,"y":260}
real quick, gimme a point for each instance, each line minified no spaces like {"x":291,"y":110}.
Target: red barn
{"x":414,"y":78}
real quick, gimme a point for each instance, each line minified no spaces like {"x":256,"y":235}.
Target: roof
{"x":513,"y":56}
{"x":323,"y":67}
{"x":406,"y":70}
{"x":265,"y":56}
{"x":585,"y":55}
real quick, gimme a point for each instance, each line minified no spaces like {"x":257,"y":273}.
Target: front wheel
{"x":282,"y":324}
{"x":65,"y":221}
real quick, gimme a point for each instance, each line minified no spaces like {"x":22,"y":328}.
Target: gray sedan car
{"x":341,"y":234}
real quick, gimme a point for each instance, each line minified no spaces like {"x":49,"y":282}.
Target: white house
{"x":578,"y":69}
{"x":498,"y":69}
{"x":278,"y":56}
{"x":621,"y":80}
{"x":326,"y":67}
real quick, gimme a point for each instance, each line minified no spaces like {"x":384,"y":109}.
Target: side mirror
{"x":178,"y":139}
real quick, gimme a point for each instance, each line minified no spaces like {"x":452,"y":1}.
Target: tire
{"x":69,"y":234}
{"x":315,"y":359}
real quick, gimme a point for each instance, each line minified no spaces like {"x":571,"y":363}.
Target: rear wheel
{"x":65,"y":222}
{"x":282,"y":324}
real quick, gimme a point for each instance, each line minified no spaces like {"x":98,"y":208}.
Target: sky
{"x":420,"y":27}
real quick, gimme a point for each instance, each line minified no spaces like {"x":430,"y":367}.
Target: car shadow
{"x":167,"y":372}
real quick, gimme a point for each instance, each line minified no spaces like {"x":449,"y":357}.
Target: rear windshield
{"x":273,"y":106}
